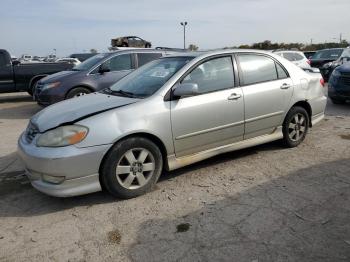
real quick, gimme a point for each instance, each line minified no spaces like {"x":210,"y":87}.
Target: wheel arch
{"x":77,"y":86}
{"x":156,"y":140}
{"x":306,"y":105}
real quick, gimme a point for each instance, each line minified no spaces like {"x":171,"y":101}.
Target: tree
{"x":93,"y":50}
{"x":192,"y":47}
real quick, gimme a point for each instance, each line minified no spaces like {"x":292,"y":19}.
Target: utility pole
{"x":340,"y":38}
{"x":184,"y":24}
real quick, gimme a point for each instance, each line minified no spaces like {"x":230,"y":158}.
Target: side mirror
{"x":345,"y":60}
{"x":104,"y":68}
{"x":16,"y":62}
{"x":186,"y":89}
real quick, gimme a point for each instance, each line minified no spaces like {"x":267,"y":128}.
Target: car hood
{"x":72,"y":110}
{"x":58,"y":76}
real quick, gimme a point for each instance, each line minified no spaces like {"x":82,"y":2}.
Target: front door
{"x":215,"y":116}
{"x":119,"y":66}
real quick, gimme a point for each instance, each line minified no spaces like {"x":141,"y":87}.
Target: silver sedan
{"x":167,"y":114}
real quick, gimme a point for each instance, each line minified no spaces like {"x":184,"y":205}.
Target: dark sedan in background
{"x":328,"y":68}
{"x":96,"y":73}
{"x":339,"y":84}
{"x":323,"y":57}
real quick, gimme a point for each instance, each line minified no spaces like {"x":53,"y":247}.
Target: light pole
{"x":184,"y":26}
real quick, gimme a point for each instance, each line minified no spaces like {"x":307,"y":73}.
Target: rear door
{"x":119,"y":65}
{"x":214,"y":117}
{"x":6,"y":74}
{"x":267,"y":90}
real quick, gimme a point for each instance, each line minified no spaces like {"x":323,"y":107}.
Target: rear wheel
{"x":295,"y":126}
{"x":147,"y":45}
{"x":78,"y":91}
{"x":131,"y":168}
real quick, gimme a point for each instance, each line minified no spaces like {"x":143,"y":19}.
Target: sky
{"x":37,"y":27}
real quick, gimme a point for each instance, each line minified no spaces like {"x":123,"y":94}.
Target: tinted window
{"x":213,"y":75}
{"x":120,"y":62}
{"x":328,"y":54}
{"x":256,"y":68}
{"x":90,"y":63}
{"x":144,"y":58}
{"x":2,"y":59}
{"x":280,"y":71}
{"x":346,"y":53}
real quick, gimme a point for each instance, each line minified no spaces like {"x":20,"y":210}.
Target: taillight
{"x":308,"y":61}
{"x":322,"y":82}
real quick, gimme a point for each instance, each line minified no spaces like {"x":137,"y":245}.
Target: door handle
{"x":234,"y":96}
{"x":285,"y":86}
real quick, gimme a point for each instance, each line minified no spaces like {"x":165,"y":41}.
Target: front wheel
{"x":131,"y":168}
{"x":78,"y":91}
{"x":295,"y":126}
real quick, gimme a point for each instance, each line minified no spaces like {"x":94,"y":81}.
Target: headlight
{"x":51,"y":85}
{"x":336,"y":73}
{"x":63,"y":136}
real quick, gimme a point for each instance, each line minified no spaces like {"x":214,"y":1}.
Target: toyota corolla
{"x":169,"y":113}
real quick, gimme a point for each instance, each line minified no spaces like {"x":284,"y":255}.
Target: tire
{"x":131,"y":157}
{"x":337,"y":102}
{"x":147,"y":45}
{"x":124,"y":45}
{"x":295,"y":126}
{"x":78,"y":91}
{"x":32,"y":87}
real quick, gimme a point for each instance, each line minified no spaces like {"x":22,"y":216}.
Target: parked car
{"x":94,"y":74}
{"x":165,"y":115}
{"x":130,"y":41}
{"x":296,"y":57}
{"x":26,"y":58}
{"x":82,"y":56}
{"x":74,"y":61}
{"x":18,"y":77}
{"x":339,"y":84}
{"x":309,"y":54}
{"x":324,"y":56}
{"x":328,"y":68}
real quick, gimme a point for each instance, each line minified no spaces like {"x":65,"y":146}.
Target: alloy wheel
{"x":135,"y":168}
{"x":297,"y":127}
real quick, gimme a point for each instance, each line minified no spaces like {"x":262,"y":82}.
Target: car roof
{"x":218,"y":52}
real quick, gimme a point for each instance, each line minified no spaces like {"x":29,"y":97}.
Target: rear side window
{"x":298,"y":57}
{"x":120,"y":62}
{"x":256,"y":69}
{"x":213,"y":75}
{"x":144,"y":58}
{"x":289,"y":56}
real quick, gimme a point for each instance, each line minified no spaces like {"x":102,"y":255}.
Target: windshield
{"x":149,"y":78}
{"x":89,"y":63}
{"x":328,"y":54}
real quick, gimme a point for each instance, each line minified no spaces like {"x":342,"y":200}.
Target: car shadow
{"x":15,"y":98}
{"x":19,"y":112}
{"x":337,"y":109}
{"x":19,"y":199}
{"x":303,"y":216}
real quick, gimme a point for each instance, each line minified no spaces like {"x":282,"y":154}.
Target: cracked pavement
{"x":265,"y":203}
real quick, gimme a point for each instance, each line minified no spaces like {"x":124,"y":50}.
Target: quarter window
{"x":281,"y":72}
{"x":213,"y":75}
{"x":256,"y":68}
{"x":144,"y":58}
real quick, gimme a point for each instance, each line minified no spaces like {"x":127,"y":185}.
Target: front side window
{"x":119,"y":63}
{"x":2,"y":59}
{"x":256,"y":69}
{"x":213,"y":75}
{"x":144,"y":58}
{"x":148,"y":79}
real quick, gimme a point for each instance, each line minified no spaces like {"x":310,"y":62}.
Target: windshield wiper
{"x":122,"y":92}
